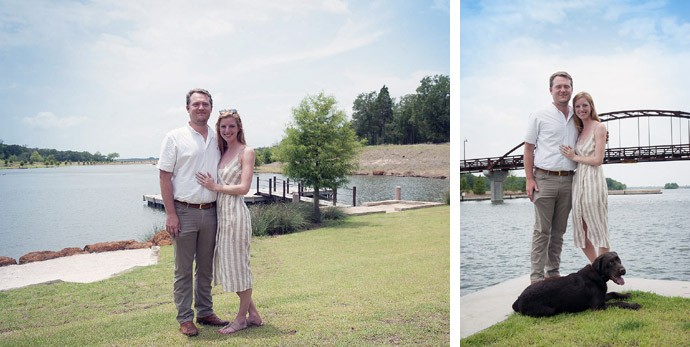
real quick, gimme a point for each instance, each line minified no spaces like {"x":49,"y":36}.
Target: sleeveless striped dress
{"x":590,"y":200}
{"x":231,"y":259}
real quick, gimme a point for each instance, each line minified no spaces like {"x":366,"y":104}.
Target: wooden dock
{"x":264,"y":196}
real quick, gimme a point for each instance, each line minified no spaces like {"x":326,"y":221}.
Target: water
{"x":379,"y":188}
{"x":54,"y":208}
{"x":650,"y":233}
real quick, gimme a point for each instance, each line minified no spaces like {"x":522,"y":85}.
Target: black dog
{"x":585,"y":289}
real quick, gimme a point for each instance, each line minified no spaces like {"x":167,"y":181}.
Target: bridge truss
{"x":632,"y":154}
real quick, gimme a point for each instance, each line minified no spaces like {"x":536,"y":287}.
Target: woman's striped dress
{"x":590,"y":200}
{"x":231,"y":260}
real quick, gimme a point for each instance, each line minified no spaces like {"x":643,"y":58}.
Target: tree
{"x":479,"y":186}
{"x":113,"y":156}
{"x":364,"y":116}
{"x":434,"y":108}
{"x":673,"y":185}
{"x":35,"y":157}
{"x":384,"y":116}
{"x":320,"y":146}
{"x":614,"y":185}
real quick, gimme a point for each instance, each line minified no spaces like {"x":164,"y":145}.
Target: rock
{"x":162,"y":238}
{"x":66,"y":252}
{"x":112,"y":246}
{"x":4,"y":261}
{"x":378,"y":173}
{"x":38,"y":256}
{"x":138,"y":245}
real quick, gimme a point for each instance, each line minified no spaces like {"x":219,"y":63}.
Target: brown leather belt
{"x":197,"y":206}
{"x":555,"y":173}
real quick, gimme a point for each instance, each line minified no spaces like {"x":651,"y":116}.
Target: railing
{"x":283,"y":188}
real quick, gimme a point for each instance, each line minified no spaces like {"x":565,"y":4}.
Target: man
{"x":549,"y":176}
{"x":190,"y":210}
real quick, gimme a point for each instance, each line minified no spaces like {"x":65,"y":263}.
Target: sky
{"x":628,"y":55}
{"x":110,"y":76}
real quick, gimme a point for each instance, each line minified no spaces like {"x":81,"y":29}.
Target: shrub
{"x":333,"y":213}
{"x":278,"y":218}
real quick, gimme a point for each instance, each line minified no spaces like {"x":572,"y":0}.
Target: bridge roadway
{"x":611,"y":156}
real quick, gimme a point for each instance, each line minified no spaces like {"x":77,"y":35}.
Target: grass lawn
{"x":374,"y":279}
{"x":662,"y":321}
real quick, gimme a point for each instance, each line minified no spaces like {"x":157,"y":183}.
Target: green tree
{"x":434,"y":108}
{"x":615,"y":185}
{"x":320,"y":147}
{"x":384,"y":116}
{"x":364,"y":116}
{"x":113,"y":156}
{"x":479,"y":186}
{"x":671,"y":185}
{"x":35,"y":157}
{"x":514,"y":183}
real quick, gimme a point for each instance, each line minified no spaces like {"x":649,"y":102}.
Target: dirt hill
{"x":423,"y":160}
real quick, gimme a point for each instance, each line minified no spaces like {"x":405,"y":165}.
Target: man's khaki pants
{"x":552,"y":205}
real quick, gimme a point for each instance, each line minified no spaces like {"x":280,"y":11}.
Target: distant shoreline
{"x":116,"y":162}
{"x":522,"y":195}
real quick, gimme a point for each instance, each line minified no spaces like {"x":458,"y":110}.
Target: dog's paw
{"x":634,"y":306}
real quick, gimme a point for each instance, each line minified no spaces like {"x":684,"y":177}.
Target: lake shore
{"x":469,"y":196}
{"x":421,"y":160}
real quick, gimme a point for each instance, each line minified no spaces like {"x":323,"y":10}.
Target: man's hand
{"x":172,"y":225}
{"x":531,"y":187}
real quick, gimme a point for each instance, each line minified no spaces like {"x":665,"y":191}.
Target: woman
{"x":590,"y":193}
{"x":231,"y":259}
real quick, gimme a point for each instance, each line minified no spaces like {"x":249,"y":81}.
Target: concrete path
{"x":388,"y":206}
{"x":80,"y":268}
{"x":482,"y":309}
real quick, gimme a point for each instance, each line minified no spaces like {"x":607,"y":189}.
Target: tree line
{"x":23,"y":155}
{"x":479,"y":184}
{"x":422,"y":117}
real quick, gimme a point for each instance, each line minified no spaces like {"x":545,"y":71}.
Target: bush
{"x":333,"y":213}
{"x":284,"y":218}
{"x":278,"y":218}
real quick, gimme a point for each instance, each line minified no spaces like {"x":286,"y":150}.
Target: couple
{"x":561,"y":138}
{"x":197,"y":167}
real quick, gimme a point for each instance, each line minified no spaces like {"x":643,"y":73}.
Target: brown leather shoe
{"x":188,"y":328}
{"x":212,"y":320}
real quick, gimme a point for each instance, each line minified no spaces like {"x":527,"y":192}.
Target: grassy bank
{"x":662,"y":321}
{"x":375,"y":279}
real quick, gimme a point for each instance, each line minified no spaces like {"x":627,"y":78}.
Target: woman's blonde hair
{"x":222,"y":144}
{"x":593,"y":115}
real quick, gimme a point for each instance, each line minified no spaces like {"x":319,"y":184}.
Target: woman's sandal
{"x":232,"y":328}
{"x":254,"y":323}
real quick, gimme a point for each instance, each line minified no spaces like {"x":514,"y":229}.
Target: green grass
{"x":662,"y":321}
{"x":373,"y":279}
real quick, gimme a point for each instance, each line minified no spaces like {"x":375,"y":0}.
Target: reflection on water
{"x":650,"y":233}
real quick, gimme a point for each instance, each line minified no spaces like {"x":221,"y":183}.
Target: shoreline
{"x":521,"y":195}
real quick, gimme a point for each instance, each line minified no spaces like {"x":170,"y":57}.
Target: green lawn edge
{"x":662,"y":321}
{"x":373,"y":279}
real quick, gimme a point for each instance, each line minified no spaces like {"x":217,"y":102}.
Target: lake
{"x":54,"y":208}
{"x":651,"y":234}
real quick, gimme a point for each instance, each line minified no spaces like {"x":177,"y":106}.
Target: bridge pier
{"x":496,"y":184}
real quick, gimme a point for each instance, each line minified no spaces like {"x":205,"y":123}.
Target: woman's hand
{"x":206,"y":180}
{"x":567,"y":151}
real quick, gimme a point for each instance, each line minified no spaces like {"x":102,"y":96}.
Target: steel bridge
{"x":620,"y":154}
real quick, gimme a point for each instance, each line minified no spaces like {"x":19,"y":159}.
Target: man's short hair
{"x":200,"y":91}
{"x":561,"y":74}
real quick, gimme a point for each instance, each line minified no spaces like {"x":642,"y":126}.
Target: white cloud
{"x":47,"y":120}
{"x":632,"y":58}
